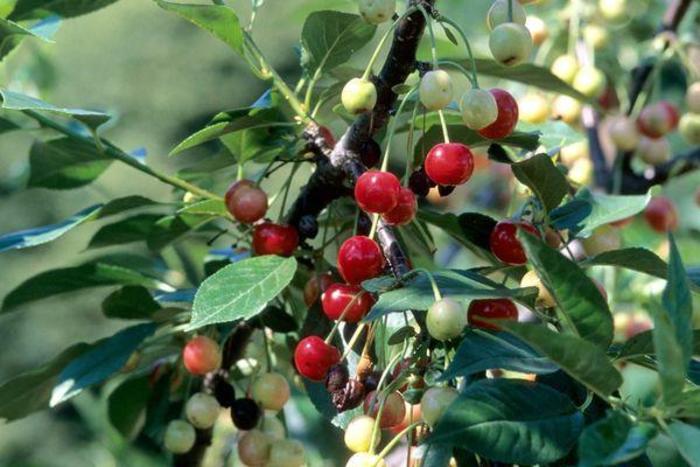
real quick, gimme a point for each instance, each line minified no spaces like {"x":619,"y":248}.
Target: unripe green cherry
{"x":596,"y":35}
{"x":377,"y":11}
{"x":273,"y":427}
{"x":202,"y":410}
{"x":435,"y":90}
{"x":254,"y":448}
{"x":654,"y":151}
{"x":624,"y":134}
{"x":479,"y":109}
{"x":446,"y":319}
{"x":565,"y":68}
{"x":510,"y":43}
{"x":615,"y":11}
{"x":359,"y":96}
{"x":271,"y":391}
{"x":567,"y":109}
{"x":544,"y":298}
{"x":286,"y":453}
{"x":179,"y":437}
{"x":590,"y":81}
{"x":534,"y":108}
{"x":435,"y":401}
{"x":498,"y":14}
{"x":692,"y":98}
{"x":604,"y":238}
{"x":365,"y":459}
{"x":358,"y":434}
{"x":689,"y":128}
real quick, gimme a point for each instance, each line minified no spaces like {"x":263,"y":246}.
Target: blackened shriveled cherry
{"x":377,"y":191}
{"x":420,"y":183}
{"x":275,"y":239}
{"x":491,"y":309}
{"x":359,"y":259}
{"x":337,"y":376}
{"x":245,"y":413}
{"x":224,"y":392}
{"x":348,"y":299}
{"x":504,"y":241}
{"x":449,"y":164}
{"x":370,"y":153}
{"x":507,"y":116}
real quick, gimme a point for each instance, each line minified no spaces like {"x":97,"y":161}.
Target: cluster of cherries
{"x":263,"y":440}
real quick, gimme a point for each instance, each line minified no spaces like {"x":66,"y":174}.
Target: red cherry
{"x":377,"y":192}
{"x":507,"y":116}
{"x":657,"y":119}
{"x":359,"y":259}
{"x":338,"y":297}
{"x":201,"y":355}
{"x":449,"y":164}
{"x":233,"y":189}
{"x":275,"y":239}
{"x":661,"y":215}
{"x":405,"y":209}
{"x":504,"y":241}
{"x":501,"y":308}
{"x":316,"y":285}
{"x":672,"y":111}
{"x":313,"y":357}
{"x":248,"y":204}
{"x":394,"y":409}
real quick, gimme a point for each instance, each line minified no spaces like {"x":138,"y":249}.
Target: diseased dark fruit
{"x":224,"y":392}
{"x":245,"y":413}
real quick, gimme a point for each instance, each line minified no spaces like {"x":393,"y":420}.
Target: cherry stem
{"x":355,"y":297}
{"x":392,"y":129}
{"x":433,"y":46}
{"x":387,"y":449}
{"x":375,"y":223}
{"x":377,"y":421}
{"x":443,"y":124}
{"x":353,"y":339}
{"x":431,"y":278}
{"x":510,"y":11}
{"x":380,"y":46}
{"x":474,"y":80}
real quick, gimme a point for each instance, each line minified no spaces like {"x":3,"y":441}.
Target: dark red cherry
{"x":501,"y":308}
{"x":248,"y":204}
{"x":377,"y":192}
{"x":313,"y":357}
{"x":504,"y":241}
{"x":359,"y":259}
{"x":449,"y":164}
{"x":661,"y":214}
{"x":507,"y":116}
{"x":370,"y":153}
{"x":233,"y":189}
{"x":405,"y":209}
{"x":339,"y":297}
{"x":275,"y":239}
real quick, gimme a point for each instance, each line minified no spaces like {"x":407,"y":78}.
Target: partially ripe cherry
{"x":435,"y":90}
{"x":315,"y":286}
{"x":510,"y":43}
{"x":405,"y":209}
{"x":507,"y":116}
{"x":394,"y":408}
{"x":654,"y":151}
{"x":275,"y":239}
{"x":313,"y":357}
{"x":692,"y":98}
{"x":445,"y":319}
{"x":234,"y":188}
{"x":377,"y":191}
{"x":365,"y":459}
{"x":538,"y":29}
{"x":623,"y":133}
{"x":179,"y":437}
{"x":658,"y":119}
{"x":604,"y":238}
{"x":254,"y":448}
{"x":350,"y":299}
{"x":661,"y":215}
{"x":273,"y":427}
{"x":479,"y":109}
{"x":481,"y":310}
{"x":359,"y":96}
{"x":449,"y":164}
{"x":435,"y":402}
{"x":201,"y":355}
{"x":286,"y":453}
{"x":245,"y":413}
{"x":271,"y":391}
{"x":248,"y":204}
{"x":358,"y":434}
{"x":202,"y":410}
{"x":377,"y":11}
{"x":689,"y":128}
{"x":360,"y":258}
{"x":504,"y":241}
{"x":498,"y":14}
{"x":565,"y":68}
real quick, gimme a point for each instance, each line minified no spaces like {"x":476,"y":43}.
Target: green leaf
{"x":208,"y":207}
{"x":635,"y":259}
{"x":613,"y":440}
{"x":510,"y":421}
{"x":219,"y":20}
{"x":126,"y":406}
{"x":30,"y":392}
{"x":260,"y":144}
{"x":65,"y":163}
{"x":132,"y":229}
{"x":127,"y":203}
{"x":99,"y":363}
{"x":241,"y":290}
{"x":481,"y":351}
{"x":686,"y":437}
{"x":40,"y":235}
{"x":471,"y":229}
{"x":594,"y":371}
{"x":608,"y":208}
{"x":97,"y":273}
{"x":553,"y":133}
{"x":581,"y":308}
{"x":686,"y":405}
{"x":16,"y":101}
{"x":544,"y":179}
{"x":130,"y":302}
{"x":26,"y":9}
{"x":10,"y":28}
{"x":642,"y":344}
{"x":330,"y":38}
{"x":170,"y":228}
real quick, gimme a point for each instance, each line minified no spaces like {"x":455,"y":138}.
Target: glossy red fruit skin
{"x":661,"y":215}
{"x":672,"y":111}
{"x":248,"y":204}
{"x":377,"y":191}
{"x":501,"y":308}
{"x":339,"y":296}
{"x":359,"y":259}
{"x":275,"y":239}
{"x":201,"y":355}
{"x":313,"y":357}
{"x":405,"y":209}
{"x":449,"y":164}
{"x":649,"y":123}
{"x":505,"y":244}
{"x":507,"y":116}
{"x":233,"y":189}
